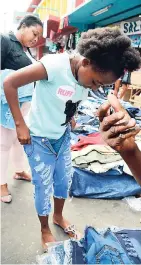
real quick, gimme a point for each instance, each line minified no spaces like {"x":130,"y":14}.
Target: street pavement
{"x":20,"y":230}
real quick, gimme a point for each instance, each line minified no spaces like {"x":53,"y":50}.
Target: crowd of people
{"x":104,"y":55}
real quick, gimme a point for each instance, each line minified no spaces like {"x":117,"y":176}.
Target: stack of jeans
{"x":104,"y":247}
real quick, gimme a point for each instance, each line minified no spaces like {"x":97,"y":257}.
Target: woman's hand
{"x":118,"y":129}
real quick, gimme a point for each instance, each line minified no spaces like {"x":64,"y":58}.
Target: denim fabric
{"x":131,"y":242}
{"x":98,"y":99}
{"x":24,"y":95}
{"x":67,"y":252}
{"x":111,"y":184}
{"x":23,"y":92}
{"x":6,"y":119}
{"x":95,"y":248}
{"x":103,"y":249}
{"x":126,"y":78}
{"x":51,"y":170}
{"x":56,"y":144}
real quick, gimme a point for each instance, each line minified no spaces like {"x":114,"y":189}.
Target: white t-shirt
{"x":53,"y":98}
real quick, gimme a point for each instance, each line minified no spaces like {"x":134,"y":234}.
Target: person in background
{"x":14,"y":55}
{"x":8,"y":139}
{"x":124,"y":82}
{"x":117,"y":87}
{"x":15,"y":46}
{"x":64,"y":81}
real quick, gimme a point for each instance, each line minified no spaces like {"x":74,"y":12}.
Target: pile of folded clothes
{"x":99,"y":171}
{"x":97,"y":158}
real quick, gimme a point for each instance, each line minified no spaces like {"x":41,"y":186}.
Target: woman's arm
{"x":15,"y":80}
{"x":118,"y":131}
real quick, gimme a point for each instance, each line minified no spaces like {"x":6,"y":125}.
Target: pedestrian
{"x":65,"y":80}
{"x":117,"y":87}
{"x":15,"y":46}
{"x":126,"y":81}
{"x":8,"y":140}
{"x":14,"y":55}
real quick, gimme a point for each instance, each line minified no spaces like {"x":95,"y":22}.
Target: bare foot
{"x":4,"y":190}
{"x":64,"y":224}
{"x":22,"y":176}
{"x":46,"y":237}
{"x":5,"y":194}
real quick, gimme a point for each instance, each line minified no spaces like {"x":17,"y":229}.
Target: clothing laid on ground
{"x":131,"y":243}
{"x":89,"y":123}
{"x":55,"y":99}
{"x":103,"y":248}
{"x":84,"y":141}
{"x":113,"y":184}
{"x":107,"y":246}
{"x":97,"y":158}
{"x":64,"y":252}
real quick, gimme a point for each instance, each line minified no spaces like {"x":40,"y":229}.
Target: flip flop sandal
{"x":17,"y":177}
{"x":71,"y":229}
{"x":45,"y":249}
{"x":6,"y":198}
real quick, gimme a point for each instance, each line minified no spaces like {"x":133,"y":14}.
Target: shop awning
{"x":105,"y":12}
{"x":64,"y":29}
{"x":52,"y":25}
{"x":33,"y":3}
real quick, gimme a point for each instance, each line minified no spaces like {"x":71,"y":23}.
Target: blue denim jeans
{"x":103,"y":249}
{"x":50,"y":162}
{"x":65,"y":252}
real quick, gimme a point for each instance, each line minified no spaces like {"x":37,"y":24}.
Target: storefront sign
{"x":131,"y":28}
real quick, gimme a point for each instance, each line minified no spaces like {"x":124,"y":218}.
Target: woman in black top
{"x":13,"y":46}
{"x":13,"y":56}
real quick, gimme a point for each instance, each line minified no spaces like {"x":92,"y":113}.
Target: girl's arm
{"x":15,"y":80}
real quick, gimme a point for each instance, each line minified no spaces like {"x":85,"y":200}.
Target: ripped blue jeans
{"x":50,"y":162}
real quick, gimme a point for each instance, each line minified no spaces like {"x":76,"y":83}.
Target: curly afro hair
{"x":109,"y":50}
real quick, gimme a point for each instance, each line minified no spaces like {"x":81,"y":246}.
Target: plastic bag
{"x":58,"y":253}
{"x":134,"y":203}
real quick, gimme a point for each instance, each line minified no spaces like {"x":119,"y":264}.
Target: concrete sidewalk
{"x":20,"y":230}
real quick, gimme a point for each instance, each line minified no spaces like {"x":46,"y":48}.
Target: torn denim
{"x":51,"y":170}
